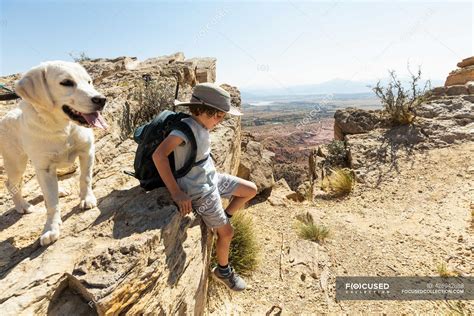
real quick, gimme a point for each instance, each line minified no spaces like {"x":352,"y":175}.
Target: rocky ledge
{"x":133,"y":253}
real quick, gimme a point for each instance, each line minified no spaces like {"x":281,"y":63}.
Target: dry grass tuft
{"x":340,"y":182}
{"x":308,"y":230}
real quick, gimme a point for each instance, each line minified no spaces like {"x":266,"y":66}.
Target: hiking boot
{"x":233,"y":281}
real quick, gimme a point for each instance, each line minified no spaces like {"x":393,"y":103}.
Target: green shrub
{"x":400,"y":102}
{"x":244,"y":249}
{"x":337,"y":154}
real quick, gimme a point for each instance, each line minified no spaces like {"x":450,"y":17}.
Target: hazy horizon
{"x":257,"y":44}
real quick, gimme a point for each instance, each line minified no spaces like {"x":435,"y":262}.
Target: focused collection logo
{"x":404,"y":288}
{"x":367,"y":287}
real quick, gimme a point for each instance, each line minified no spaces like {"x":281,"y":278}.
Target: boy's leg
{"x":224,"y":272}
{"x":224,"y":237}
{"x":244,"y":192}
{"x":211,"y":211}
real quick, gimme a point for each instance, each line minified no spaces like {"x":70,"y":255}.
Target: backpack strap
{"x":201,"y":161}
{"x":190,"y":163}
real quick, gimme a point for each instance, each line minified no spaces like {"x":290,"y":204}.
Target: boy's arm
{"x":160,"y":158}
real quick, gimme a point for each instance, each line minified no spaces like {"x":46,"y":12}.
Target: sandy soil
{"x":405,"y":227}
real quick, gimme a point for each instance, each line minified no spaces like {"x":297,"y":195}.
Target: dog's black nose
{"x":100,"y":101}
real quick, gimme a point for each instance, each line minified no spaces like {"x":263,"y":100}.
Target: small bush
{"x":244,"y":249}
{"x":400,"y":102}
{"x":313,"y":232}
{"x":337,"y":154}
{"x":443,"y":270}
{"x":339,"y":182}
{"x":308,"y":230}
{"x":78,"y":58}
{"x":149,"y":98}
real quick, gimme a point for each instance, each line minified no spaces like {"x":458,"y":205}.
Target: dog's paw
{"x":49,"y":236}
{"x":25,"y":208}
{"x":88,"y":202}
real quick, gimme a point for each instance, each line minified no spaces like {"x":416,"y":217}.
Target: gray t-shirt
{"x":201,"y":179}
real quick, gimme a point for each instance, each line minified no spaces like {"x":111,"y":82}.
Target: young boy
{"x":202,"y":188}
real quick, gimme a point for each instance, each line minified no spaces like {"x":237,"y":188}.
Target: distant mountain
{"x":334,"y":86}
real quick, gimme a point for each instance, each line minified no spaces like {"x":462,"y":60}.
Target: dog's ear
{"x":33,"y":87}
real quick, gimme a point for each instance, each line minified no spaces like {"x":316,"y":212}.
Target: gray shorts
{"x":209,"y":206}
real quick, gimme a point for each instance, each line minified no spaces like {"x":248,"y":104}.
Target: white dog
{"x":51,"y":127}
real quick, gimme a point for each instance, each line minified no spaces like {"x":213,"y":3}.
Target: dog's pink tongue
{"x":95,"y":119}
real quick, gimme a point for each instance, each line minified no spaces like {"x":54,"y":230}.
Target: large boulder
{"x":356,"y":121}
{"x":134,"y":253}
{"x":256,"y":164}
{"x":447,"y":120}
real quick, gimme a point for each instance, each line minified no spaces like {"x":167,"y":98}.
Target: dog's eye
{"x":89,"y":82}
{"x":67,"y":83}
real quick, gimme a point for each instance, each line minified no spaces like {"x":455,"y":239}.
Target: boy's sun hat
{"x":211,"y":95}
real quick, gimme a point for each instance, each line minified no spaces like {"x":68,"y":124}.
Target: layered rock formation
{"x":439,"y":122}
{"x":374,"y":147}
{"x":463,"y":75}
{"x":134,"y":253}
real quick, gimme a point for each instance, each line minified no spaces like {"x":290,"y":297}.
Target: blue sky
{"x":257,"y":44}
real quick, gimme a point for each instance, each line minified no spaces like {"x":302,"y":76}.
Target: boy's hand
{"x":183,"y":201}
